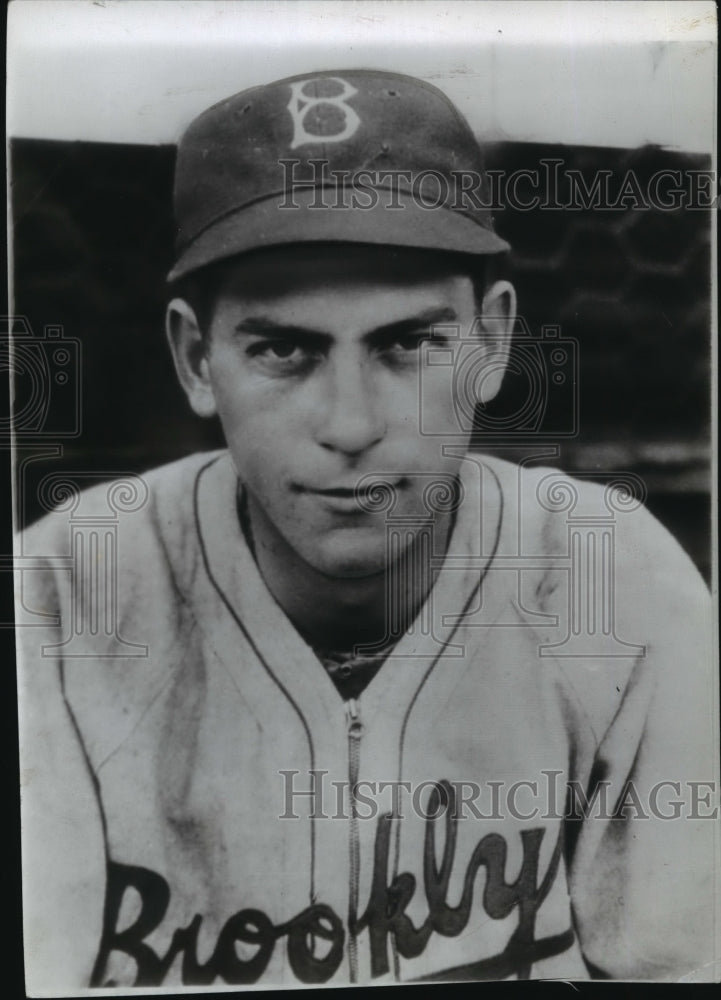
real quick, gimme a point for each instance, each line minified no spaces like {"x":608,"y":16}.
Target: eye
{"x":404,"y":348}
{"x":411,"y":341}
{"x":407,"y":342}
{"x":280,"y":356}
{"x":280,"y":349}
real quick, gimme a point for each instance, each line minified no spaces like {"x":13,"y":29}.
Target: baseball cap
{"x":359,"y":156}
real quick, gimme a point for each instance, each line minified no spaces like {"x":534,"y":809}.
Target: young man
{"x":354,"y":679}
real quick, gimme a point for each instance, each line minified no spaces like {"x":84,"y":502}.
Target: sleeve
{"x":62,"y":837}
{"x":644,"y":875}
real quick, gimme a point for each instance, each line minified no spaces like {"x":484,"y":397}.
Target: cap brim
{"x":317,"y":218}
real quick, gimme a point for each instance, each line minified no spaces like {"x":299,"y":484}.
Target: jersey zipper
{"x":355,"y":732}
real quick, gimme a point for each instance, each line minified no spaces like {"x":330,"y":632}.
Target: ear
{"x":190,"y":356}
{"x":497,"y":322}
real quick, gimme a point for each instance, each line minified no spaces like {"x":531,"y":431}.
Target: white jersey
{"x":173,"y":728}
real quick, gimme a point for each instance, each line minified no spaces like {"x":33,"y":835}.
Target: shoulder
{"x":139,"y":528}
{"x":610,"y":593}
{"x":544,"y":508}
{"x":105,"y":585}
{"x":157,"y":501}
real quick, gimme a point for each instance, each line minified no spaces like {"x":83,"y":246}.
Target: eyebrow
{"x":263,"y":326}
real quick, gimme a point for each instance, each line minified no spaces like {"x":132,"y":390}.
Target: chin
{"x":351,"y":560}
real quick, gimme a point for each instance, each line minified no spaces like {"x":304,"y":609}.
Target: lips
{"x":366,"y":496}
{"x":340,"y":491}
{"x":355,"y":490}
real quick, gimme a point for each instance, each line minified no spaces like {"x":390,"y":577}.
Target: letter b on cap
{"x":337,"y":119}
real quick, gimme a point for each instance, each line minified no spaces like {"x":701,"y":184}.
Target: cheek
{"x":436,"y":416}
{"x":256,"y":438}
{"x":265,"y":434}
{"x":249,"y":408}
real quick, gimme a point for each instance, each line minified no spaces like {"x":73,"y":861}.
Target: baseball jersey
{"x":201,"y":806}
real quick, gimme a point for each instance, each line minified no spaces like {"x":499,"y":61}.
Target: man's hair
{"x":200,"y":289}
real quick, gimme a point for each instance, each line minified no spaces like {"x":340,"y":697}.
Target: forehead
{"x":323,"y":277}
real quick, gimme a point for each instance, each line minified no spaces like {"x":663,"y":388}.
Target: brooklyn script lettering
{"x":384,"y":916}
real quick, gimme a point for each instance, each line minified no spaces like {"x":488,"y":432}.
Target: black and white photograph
{"x":363,"y":382}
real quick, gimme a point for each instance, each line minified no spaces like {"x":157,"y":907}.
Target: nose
{"x":351,"y":420}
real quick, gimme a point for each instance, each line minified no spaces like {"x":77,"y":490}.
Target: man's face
{"x":313,"y":360}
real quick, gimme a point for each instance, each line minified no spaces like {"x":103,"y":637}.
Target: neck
{"x":341,"y":613}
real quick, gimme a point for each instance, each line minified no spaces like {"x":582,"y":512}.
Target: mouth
{"x":342,"y":492}
{"x":370,"y":497}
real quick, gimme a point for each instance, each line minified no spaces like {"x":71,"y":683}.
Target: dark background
{"x":93,"y":235}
